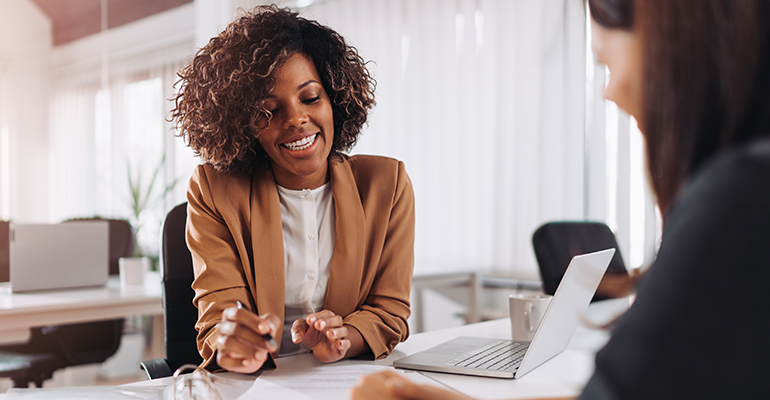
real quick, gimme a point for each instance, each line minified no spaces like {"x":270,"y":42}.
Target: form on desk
{"x":318,"y":383}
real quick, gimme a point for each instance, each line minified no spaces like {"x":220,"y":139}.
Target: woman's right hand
{"x":388,"y":385}
{"x":240,"y":344}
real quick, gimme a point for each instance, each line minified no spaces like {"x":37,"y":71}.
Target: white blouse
{"x":309,"y":234}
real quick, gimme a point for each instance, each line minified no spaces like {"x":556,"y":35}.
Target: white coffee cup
{"x":132,"y":270}
{"x":526,"y":311}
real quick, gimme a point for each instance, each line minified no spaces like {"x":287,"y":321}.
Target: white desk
{"x":21,"y":311}
{"x":563,"y":375}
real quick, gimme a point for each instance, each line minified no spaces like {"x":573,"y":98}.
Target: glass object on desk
{"x":197,"y":385}
{"x":132,"y":270}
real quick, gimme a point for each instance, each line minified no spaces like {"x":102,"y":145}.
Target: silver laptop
{"x":509,"y":359}
{"x":60,"y":256}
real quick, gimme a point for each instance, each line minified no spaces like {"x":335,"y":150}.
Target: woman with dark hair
{"x":694,"y":74}
{"x":291,"y":239}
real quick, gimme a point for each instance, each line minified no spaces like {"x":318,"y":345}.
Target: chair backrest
{"x":5,"y":252}
{"x":180,"y":314}
{"x":555,"y":244}
{"x":122,"y":240}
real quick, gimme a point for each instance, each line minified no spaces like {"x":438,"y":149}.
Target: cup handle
{"x":528,"y":316}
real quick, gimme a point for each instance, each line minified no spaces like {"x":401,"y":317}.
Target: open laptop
{"x":508,"y":359}
{"x":60,"y":256}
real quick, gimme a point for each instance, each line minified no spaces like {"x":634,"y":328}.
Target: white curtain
{"x":101,"y":135}
{"x":484,"y":102}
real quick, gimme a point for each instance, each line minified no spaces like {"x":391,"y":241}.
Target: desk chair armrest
{"x":157,"y":368}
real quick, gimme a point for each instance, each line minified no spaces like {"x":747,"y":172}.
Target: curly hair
{"x":219,"y":107}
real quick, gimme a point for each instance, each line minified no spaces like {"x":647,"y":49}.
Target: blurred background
{"x":495,"y":106}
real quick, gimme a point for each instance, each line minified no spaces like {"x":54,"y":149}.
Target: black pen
{"x":266,"y":336}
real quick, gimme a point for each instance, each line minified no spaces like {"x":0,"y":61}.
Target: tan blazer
{"x":234,"y":234}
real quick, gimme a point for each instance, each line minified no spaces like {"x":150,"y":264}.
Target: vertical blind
{"x":113,"y":151}
{"x":484,"y":102}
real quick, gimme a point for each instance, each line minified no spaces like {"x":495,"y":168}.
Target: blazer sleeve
{"x":219,"y":276}
{"x":382,"y":318}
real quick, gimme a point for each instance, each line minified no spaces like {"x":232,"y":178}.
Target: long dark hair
{"x":706,"y":81}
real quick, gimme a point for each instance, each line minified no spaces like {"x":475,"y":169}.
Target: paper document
{"x":319,"y":383}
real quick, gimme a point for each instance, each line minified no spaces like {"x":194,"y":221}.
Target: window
{"x":113,"y":155}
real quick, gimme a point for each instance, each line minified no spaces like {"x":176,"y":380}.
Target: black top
{"x":700,"y":325}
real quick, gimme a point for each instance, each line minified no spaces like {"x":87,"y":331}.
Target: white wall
{"x":25,"y":59}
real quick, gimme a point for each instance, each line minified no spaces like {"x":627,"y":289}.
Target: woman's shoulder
{"x":717,"y":228}
{"x":207,"y":174}
{"x":733,"y":182}
{"x":371,"y":162}
{"x":207,"y":182}
{"x":372,"y":175}
{"x":378,"y":168}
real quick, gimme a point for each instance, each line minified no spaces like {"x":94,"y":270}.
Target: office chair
{"x":179,"y":312}
{"x":5,"y":251}
{"x":55,"y":347}
{"x":555,"y":243}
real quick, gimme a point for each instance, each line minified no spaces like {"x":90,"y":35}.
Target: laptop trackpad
{"x":451,"y":349}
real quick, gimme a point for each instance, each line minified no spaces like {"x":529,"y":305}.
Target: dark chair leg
{"x":21,"y":382}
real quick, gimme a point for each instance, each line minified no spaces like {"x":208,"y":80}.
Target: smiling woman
{"x":315,"y":247}
{"x":298,"y":135}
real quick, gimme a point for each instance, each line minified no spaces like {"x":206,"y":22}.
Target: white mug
{"x":526,"y":311}
{"x":132,"y":270}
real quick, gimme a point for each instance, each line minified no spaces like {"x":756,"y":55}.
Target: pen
{"x":266,"y":336}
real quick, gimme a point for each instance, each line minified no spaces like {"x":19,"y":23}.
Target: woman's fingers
{"x":236,"y":356}
{"x":248,"y":327}
{"x":390,"y":385}
{"x":337,"y":333}
{"x":342,"y":346}
{"x":324,"y":333}
{"x":317,"y":326}
{"x":242,"y":343}
{"x":373,"y":387}
{"x":234,"y":363}
{"x":323,"y":320}
{"x":298,"y":329}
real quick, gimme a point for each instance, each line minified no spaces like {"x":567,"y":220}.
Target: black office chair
{"x":555,"y":243}
{"x":179,"y":312}
{"x":5,"y":251}
{"x":55,"y":347}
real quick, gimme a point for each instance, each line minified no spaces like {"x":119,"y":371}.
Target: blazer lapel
{"x":267,"y":242}
{"x":348,"y":260}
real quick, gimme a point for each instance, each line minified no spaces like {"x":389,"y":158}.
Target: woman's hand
{"x":389,"y":385}
{"x":324,"y":333}
{"x":240,"y":344}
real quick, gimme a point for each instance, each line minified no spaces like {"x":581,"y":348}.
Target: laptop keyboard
{"x":500,"y":355}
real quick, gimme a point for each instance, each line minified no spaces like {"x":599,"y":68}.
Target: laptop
{"x":508,"y":359}
{"x":60,"y":256}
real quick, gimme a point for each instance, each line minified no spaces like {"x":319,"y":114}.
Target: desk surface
{"x":563,"y":375}
{"x":21,"y":311}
